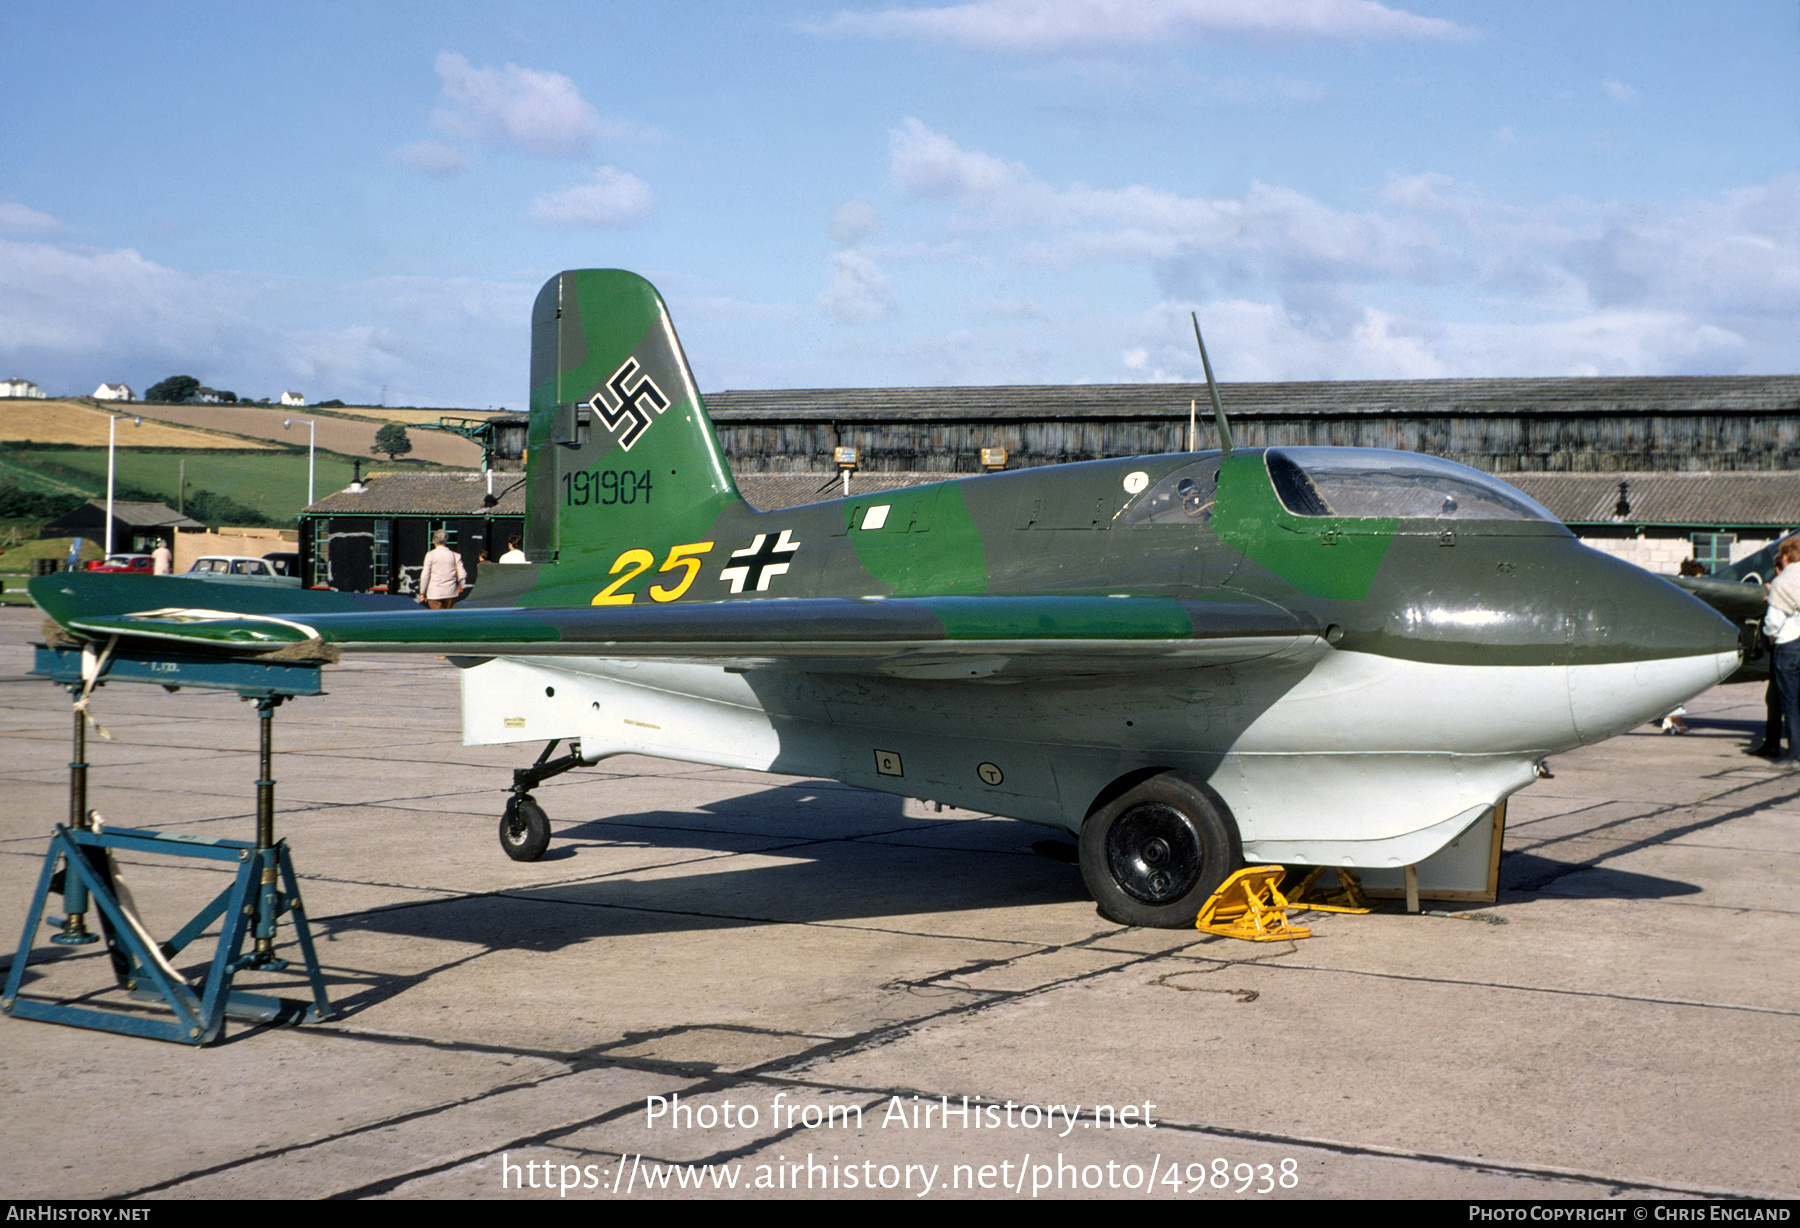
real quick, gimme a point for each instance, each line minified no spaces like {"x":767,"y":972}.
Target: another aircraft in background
{"x":1321,"y":656}
{"x":1740,"y":592}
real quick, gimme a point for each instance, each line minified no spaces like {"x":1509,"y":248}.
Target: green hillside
{"x":16,"y":469}
{"x":273,"y":484}
{"x":19,"y":549}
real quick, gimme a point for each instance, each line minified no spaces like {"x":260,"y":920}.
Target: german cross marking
{"x":766,"y":557}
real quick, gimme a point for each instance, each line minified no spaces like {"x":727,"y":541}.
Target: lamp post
{"x":312,"y":432}
{"x":112,"y":429}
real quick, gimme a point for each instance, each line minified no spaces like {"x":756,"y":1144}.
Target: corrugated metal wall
{"x":1688,"y":423}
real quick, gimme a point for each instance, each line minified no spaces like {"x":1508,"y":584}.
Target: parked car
{"x":134,"y":564}
{"x":285,"y":564}
{"x":237,"y":568}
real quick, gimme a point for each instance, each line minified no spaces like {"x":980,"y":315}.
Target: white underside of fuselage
{"x":1344,"y":759}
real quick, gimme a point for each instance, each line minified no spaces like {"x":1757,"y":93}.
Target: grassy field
{"x":82,"y":421}
{"x":72,"y":421}
{"x":19,"y":547}
{"x":17,"y":468}
{"x":405,"y":416}
{"x":274,"y":484}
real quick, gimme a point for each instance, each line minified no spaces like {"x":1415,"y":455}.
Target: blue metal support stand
{"x":79,"y":865}
{"x":74,"y":927}
{"x":261,"y":891}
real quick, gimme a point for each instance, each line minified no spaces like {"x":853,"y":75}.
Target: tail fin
{"x":620,"y":447}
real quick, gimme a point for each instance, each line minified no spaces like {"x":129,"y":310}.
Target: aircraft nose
{"x":1639,"y":647}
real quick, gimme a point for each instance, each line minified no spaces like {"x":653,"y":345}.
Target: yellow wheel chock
{"x":1347,"y":898}
{"x":1250,"y":905}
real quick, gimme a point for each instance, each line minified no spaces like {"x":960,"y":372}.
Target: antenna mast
{"x":1212,"y":389}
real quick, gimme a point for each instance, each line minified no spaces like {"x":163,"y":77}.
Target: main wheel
{"x":1153,"y":855}
{"x":524,"y":828}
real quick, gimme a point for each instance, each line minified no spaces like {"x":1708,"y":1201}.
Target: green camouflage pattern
{"x":632,"y":508}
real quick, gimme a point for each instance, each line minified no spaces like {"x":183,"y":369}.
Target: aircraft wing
{"x":923,"y":637}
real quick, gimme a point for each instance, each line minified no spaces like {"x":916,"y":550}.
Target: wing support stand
{"x":74,"y":931}
{"x":81,"y":866}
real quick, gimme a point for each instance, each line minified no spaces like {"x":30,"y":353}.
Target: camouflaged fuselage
{"x":1358,"y":688}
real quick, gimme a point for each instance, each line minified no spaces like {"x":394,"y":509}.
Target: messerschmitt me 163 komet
{"x":1307,"y":656}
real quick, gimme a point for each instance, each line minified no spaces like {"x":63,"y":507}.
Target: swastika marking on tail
{"x":636,"y":403}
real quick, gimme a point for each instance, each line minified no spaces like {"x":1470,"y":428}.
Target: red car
{"x":135,"y":564}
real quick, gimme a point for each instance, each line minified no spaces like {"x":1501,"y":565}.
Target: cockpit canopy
{"x":1346,"y":483}
{"x":1368,"y":483}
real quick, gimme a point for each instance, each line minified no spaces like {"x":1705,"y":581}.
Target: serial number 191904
{"x":606,"y":487}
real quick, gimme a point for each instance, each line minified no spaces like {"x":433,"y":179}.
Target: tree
{"x":20,"y":504}
{"x":173,"y":391}
{"x":392,"y":440}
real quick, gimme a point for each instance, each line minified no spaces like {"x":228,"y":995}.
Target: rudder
{"x":619,"y":444}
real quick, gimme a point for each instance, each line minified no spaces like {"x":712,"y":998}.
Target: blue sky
{"x":346,"y":198}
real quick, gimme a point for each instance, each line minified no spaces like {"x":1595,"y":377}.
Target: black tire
{"x":524,"y":828}
{"x":1152,"y":855}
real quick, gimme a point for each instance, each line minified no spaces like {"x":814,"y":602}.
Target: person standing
{"x":1781,"y":626}
{"x":162,"y":559}
{"x":442,"y":578}
{"x":513,"y":553}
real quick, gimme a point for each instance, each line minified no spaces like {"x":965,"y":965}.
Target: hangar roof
{"x":1718,"y":499}
{"x":1633,"y":395}
{"x":428,"y":493}
{"x":135,"y":515}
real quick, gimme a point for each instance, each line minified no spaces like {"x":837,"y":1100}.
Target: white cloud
{"x":1264,"y":342}
{"x":431,"y":158}
{"x":73,"y":317}
{"x":17,"y":219}
{"x":1618,"y":91}
{"x":614,"y":198}
{"x":859,"y":291}
{"x":1432,"y":278}
{"x":1258,"y":341}
{"x":1270,"y":226}
{"x":538,"y":112}
{"x":853,"y":223}
{"x":63,"y":300}
{"x":1734,"y":255}
{"x":1081,"y":26}
{"x":927,"y":163}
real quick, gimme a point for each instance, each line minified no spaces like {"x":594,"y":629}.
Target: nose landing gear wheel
{"x":524,"y":828}
{"x":1155,"y":853}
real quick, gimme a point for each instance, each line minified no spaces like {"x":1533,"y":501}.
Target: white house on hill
{"x":114,"y":392}
{"x":292,"y":398}
{"x":16,"y":387}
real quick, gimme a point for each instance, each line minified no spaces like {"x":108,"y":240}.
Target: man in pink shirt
{"x":442,"y":579}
